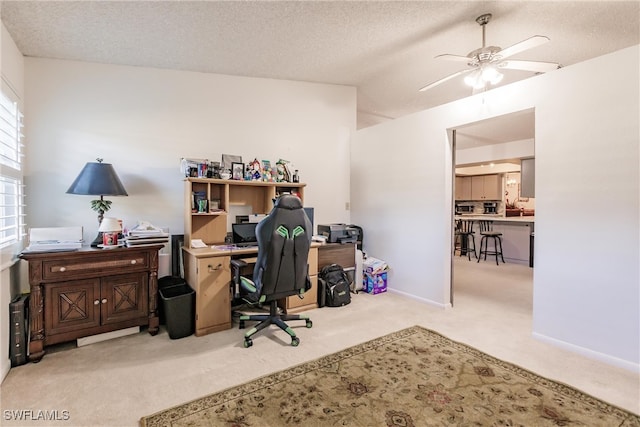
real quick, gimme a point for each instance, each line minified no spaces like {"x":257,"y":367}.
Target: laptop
{"x":244,"y":234}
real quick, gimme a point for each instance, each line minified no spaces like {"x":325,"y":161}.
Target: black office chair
{"x":281,"y":269}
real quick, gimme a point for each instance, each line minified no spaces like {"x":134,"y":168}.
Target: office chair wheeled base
{"x":273,"y":318}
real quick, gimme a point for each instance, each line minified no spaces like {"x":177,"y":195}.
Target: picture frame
{"x":237,"y":171}
{"x":228,"y":160}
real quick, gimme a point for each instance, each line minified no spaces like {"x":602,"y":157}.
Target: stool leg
{"x":480,"y":253}
{"x":501,"y":255}
{"x":473,"y":239}
{"x":495,"y":248}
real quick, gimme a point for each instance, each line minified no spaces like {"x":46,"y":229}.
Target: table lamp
{"x":110,"y":228}
{"x":98,"y":179}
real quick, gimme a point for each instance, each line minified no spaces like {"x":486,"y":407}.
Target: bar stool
{"x":464,"y":232}
{"x":486,"y":231}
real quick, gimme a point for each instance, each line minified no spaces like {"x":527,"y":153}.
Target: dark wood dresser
{"x":90,"y":291}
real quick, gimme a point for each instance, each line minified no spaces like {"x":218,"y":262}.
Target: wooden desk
{"x":208,"y":272}
{"x":90,"y":291}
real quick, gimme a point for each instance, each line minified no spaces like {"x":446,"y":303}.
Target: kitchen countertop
{"x":521,"y":219}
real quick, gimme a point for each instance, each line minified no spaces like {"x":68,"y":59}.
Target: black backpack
{"x":333,"y":286}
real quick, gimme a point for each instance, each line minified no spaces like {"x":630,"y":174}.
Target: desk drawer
{"x":94,"y":266}
{"x":313,"y":261}
{"x":343,"y":255}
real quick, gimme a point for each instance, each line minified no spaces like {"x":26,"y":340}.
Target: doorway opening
{"x":492,"y":151}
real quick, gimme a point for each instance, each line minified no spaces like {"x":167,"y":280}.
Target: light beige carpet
{"x":413,"y":377}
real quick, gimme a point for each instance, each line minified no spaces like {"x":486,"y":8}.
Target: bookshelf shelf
{"x":211,"y":227}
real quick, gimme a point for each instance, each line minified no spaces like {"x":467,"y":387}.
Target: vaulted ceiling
{"x":385,"y":49}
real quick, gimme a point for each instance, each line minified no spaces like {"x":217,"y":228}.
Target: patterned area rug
{"x":414,"y":377}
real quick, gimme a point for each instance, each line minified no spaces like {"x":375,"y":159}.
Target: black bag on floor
{"x":333,"y":286}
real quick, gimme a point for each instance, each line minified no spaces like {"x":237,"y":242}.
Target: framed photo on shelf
{"x":237,"y":171}
{"x":229,"y":159}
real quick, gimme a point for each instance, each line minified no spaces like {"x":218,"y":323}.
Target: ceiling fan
{"x":485,"y":61}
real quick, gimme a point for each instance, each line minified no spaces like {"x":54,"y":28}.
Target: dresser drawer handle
{"x":104,"y":300}
{"x":63,"y":269}
{"x":96,"y":302}
{"x":133,"y":261}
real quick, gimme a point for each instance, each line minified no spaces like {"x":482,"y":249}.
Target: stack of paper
{"x":145,"y":234}
{"x":52,"y":239}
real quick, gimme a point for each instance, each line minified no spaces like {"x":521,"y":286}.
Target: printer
{"x":338,"y":233}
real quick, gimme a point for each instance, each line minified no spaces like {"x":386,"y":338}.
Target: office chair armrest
{"x":238,"y":264}
{"x":236,"y":267}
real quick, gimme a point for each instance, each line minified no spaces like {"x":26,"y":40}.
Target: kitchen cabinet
{"x":463,"y":188}
{"x":90,"y":291}
{"x":486,"y":187}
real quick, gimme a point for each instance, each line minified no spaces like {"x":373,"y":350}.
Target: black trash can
{"x":165,"y":282}
{"x":179,"y":308}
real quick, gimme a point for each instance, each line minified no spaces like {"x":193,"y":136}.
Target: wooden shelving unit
{"x":211,"y":226}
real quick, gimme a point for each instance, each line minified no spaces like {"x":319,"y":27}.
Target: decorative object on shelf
{"x":296,"y":177}
{"x":267,"y":171}
{"x":228,"y":159}
{"x":98,"y":179}
{"x":196,"y":205}
{"x":214,"y":170}
{"x":194,"y":167}
{"x":237,"y":171}
{"x":110,"y":228}
{"x":282,"y":171}
{"x":256,"y":170}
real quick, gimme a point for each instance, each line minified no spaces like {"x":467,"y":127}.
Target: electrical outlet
{"x":347,"y":206}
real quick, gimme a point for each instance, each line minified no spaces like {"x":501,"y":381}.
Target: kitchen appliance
{"x":464,"y":209}
{"x":490,"y":207}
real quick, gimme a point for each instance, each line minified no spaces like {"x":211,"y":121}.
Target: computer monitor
{"x":309,"y":212}
{"x":244,"y":233}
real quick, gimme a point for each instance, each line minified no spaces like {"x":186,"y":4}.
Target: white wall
{"x":495,"y":152}
{"x":586,"y":293}
{"x":144,"y":120}
{"x":12,"y":71}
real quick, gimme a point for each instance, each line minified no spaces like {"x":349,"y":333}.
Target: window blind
{"x":12,"y":216}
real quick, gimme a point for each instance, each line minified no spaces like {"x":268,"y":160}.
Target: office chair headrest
{"x":288,"y":201}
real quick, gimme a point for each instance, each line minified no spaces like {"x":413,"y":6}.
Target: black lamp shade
{"x":98,"y":179}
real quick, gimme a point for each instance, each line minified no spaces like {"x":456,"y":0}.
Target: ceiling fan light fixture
{"x":491,"y":75}
{"x":485,"y":61}
{"x":474,"y":79}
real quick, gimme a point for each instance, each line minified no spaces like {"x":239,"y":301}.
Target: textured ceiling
{"x":385,"y":49}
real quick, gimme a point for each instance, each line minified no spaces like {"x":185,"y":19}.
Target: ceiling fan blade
{"x":535,"y":66}
{"x":442,"y":80}
{"x":450,"y":57}
{"x":529,"y":43}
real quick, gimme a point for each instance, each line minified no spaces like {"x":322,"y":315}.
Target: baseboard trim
{"x":5,"y":370}
{"x":423,"y":300}
{"x":608,"y":359}
{"x":92,"y":339}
